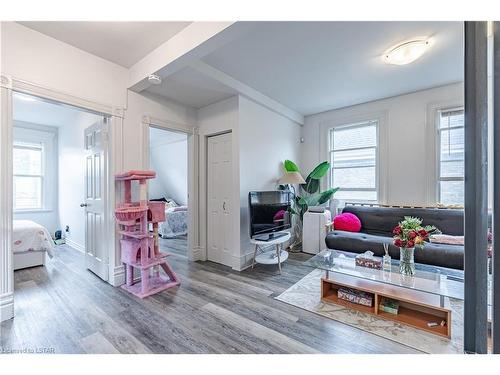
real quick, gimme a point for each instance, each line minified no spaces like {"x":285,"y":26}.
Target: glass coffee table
{"x":420,"y":301}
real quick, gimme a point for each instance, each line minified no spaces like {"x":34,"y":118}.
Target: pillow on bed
{"x":170,"y":203}
{"x":180,"y":208}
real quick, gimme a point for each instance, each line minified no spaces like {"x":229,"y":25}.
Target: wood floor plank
{"x":96,"y":343}
{"x":215,"y":310}
{"x":258,"y":330}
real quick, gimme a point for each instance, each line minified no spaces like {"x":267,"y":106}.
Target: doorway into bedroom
{"x":59,"y":163}
{"x":168,"y":157}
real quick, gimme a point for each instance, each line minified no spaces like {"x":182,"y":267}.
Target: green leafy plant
{"x":310,"y":194}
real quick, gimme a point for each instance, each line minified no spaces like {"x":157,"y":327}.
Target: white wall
{"x":48,"y":216}
{"x":29,"y":56}
{"x":261,"y":139}
{"x":71,"y":179}
{"x":406,"y":140}
{"x":133,"y":126}
{"x":266,"y":140}
{"x":37,"y":58}
{"x":168,"y":154}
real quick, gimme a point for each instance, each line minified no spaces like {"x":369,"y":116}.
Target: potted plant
{"x":408,"y":234}
{"x":309,"y":193}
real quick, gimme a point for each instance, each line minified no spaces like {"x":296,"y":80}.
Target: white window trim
{"x":438,"y":154}
{"x":433,"y":157}
{"x":49,"y":158}
{"x":381,"y":153}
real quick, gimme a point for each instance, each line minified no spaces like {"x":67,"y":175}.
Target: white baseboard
{"x":6,"y":306}
{"x":243,"y":261}
{"x":197,"y":253}
{"x":117,"y":276}
{"x":75,"y":245}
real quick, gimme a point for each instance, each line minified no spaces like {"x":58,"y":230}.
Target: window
{"x":451,"y":156}
{"x":28,"y":175}
{"x":353,"y":156}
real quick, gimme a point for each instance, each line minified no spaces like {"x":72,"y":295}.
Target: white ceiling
{"x":37,"y":111}
{"x":317,"y":66}
{"x":123,"y":43}
{"x":309,"y":67}
{"x":191,"y":88}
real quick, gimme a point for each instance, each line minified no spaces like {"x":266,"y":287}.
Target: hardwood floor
{"x":64,"y":308}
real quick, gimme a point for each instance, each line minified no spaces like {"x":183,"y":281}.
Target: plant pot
{"x":407,"y":261}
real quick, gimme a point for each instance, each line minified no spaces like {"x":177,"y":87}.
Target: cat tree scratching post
{"x":140,"y":249}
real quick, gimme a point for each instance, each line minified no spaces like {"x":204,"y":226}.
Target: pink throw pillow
{"x":347,"y":222}
{"x":279,"y":215}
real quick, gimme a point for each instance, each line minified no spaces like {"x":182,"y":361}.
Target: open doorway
{"x":59,"y":167}
{"x":168,"y":157}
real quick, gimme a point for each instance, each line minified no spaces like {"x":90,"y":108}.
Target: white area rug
{"x":306,"y":295}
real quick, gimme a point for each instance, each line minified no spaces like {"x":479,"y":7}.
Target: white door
{"x":96,"y":254}
{"x":219,"y":178}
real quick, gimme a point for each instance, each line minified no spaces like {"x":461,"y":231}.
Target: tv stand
{"x":270,"y":236}
{"x":270,"y":257}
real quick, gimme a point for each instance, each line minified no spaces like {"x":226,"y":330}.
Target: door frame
{"x":193,"y":247}
{"x":8,"y":85}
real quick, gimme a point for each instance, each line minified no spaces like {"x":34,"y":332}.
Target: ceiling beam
{"x":247,"y":91}
{"x":192,"y":43}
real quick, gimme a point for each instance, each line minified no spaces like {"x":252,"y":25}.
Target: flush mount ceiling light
{"x":154,"y":79}
{"x":406,"y":52}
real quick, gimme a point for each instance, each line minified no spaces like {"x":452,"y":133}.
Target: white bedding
{"x":175,"y":223}
{"x":30,"y":236}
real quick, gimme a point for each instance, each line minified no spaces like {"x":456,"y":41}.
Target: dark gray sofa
{"x":377,"y":224}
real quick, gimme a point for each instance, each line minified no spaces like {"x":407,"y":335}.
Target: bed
{"x":175,"y":223}
{"x":31,"y":242}
{"x":176,"y":219}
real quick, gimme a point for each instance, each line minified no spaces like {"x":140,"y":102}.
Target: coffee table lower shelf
{"x":416,"y":309}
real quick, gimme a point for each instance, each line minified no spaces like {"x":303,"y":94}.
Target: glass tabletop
{"x":440,"y":281}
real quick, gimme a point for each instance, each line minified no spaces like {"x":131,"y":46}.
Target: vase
{"x":407,"y":261}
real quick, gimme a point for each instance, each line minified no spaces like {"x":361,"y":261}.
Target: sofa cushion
{"x":450,"y":256}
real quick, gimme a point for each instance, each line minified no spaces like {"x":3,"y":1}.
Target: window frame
{"x":330,"y":150}
{"x":438,"y":130}
{"x":41,"y":176}
{"x":46,"y":136}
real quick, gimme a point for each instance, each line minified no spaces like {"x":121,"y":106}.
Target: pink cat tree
{"x":139,"y":248}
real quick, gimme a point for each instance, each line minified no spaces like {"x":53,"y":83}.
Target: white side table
{"x":270,"y":257}
{"x":313,"y":232}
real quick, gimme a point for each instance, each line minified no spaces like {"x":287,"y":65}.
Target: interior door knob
{"x":83,"y":204}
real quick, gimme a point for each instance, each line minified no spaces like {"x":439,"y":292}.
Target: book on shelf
{"x":355,"y":296}
{"x":389,"y":305}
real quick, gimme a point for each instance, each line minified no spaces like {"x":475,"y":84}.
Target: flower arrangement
{"x":410,"y":233}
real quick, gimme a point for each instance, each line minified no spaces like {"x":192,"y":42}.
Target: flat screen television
{"x":269,"y":213}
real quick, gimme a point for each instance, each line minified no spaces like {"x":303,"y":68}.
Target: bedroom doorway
{"x":59,"y":186}
{"x":168,"y":157}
